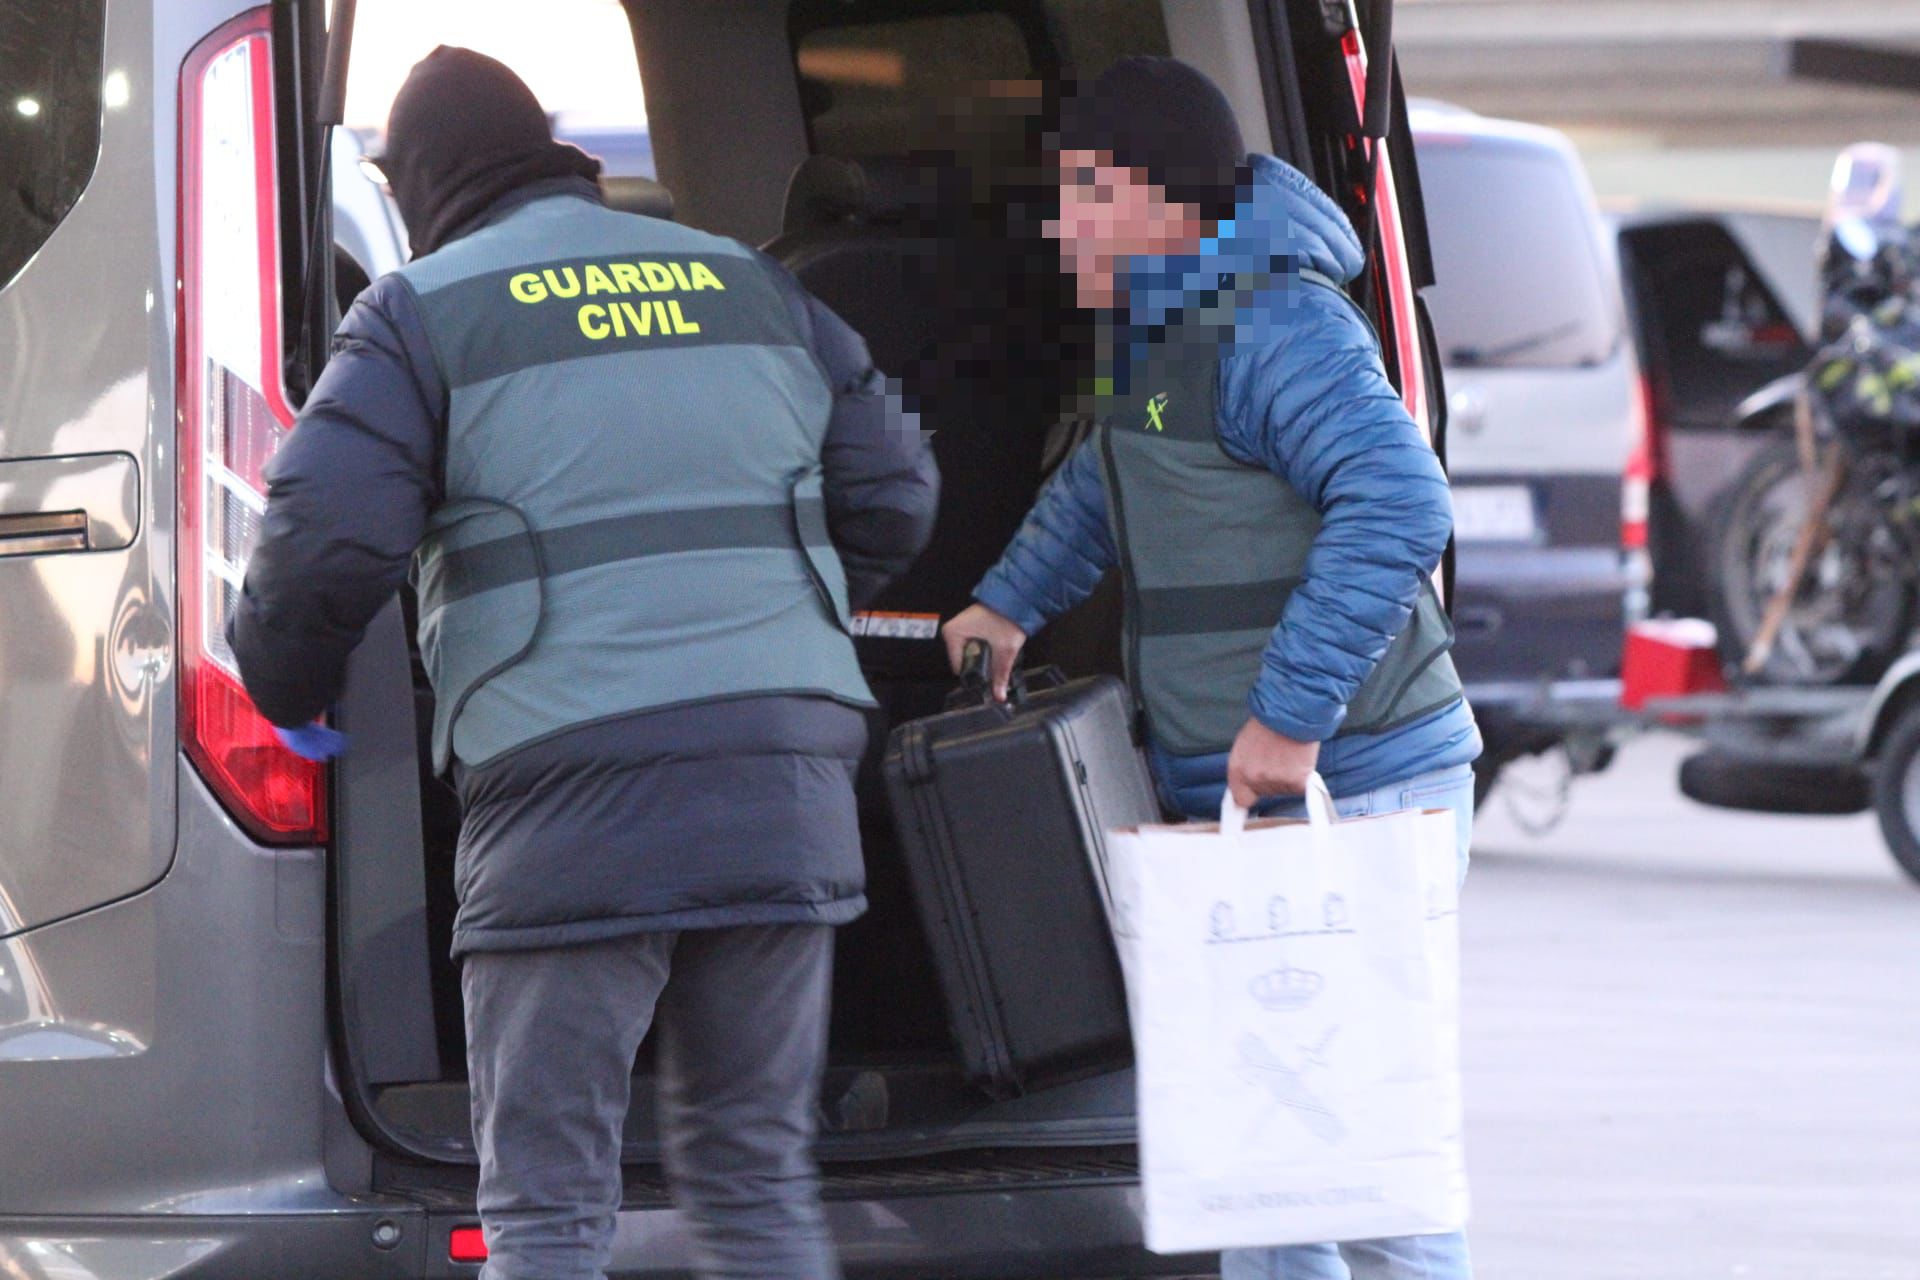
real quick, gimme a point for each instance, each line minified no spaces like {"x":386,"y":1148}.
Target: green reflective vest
{"x":1210,"y":551}
{"x":633,"y":514}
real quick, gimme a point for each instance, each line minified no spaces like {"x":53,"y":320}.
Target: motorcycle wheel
{"x":1854,"y":610}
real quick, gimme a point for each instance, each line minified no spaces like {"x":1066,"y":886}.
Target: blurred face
{"x":1109,"y":214}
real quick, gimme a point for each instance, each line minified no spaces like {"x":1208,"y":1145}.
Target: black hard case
{"x":1002,"y":816}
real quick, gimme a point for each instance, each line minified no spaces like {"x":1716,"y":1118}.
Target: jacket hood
{"x":464,"y":132}
{"x":1284,"y":223}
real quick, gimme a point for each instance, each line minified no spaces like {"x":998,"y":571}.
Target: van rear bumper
{"x":1029,"y":1234}
{"x":297,"y":1246}
{"x":1091,"y":1231}
{"x":1539,"y":614}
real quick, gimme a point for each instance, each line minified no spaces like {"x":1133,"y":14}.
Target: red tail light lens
{"x":1636,"y":490}
{"x":233,"y":416}
{"x":468,"y":1244}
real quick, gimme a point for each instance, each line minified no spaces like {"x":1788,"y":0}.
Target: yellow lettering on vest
{"x":666,"y":321}
{"x":526,"y":287}
{"x":641,"y":320}
{"x":680,"y":323}
{"x":572,"y":289}
{"x":703,"y":277}
{"x":627,"y":276}
{"x":613,"y":316}
{"x":679,"y":275}
{"x":597,"y":281}
{"x":658,"y":277}
{"x":593,"y":321}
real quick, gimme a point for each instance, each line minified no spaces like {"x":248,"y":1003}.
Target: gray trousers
{"x":740,"y":1025}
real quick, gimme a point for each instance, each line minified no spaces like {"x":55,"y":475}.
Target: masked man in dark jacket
{"x":640,"y":477}
{"x":1274,"y":513}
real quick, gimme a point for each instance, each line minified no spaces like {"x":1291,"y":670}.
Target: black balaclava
{"x":1163,"y":116}
{"x":463,"y":132}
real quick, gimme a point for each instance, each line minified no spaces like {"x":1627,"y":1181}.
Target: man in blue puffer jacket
{"x":1275,"y":514}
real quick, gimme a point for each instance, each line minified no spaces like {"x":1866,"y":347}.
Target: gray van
{"x":1546,"y":412}
{"x":230,"y":1039}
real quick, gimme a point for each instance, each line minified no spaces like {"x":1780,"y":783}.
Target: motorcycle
{"x":1817,"y":557}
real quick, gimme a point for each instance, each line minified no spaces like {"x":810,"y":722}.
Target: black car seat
{"x":954,"y":308}
{"x":631,"y":193}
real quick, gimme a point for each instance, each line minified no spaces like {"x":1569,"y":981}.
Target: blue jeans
{"x":1442,"y":1257}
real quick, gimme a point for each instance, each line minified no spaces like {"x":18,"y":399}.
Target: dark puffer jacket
{"x":734,"y":813}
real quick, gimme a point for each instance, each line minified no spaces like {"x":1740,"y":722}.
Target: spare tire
{"x":1897,"y":791}
{"x":1728,"y":780}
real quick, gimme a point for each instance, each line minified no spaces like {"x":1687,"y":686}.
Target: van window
{"x":1095,"y":34}
{"x":50,"y":100}
{"x":910,"y":85}
{"x":915,"y":85}
{"x":1515,"y":252}
{"x":578,"y":59}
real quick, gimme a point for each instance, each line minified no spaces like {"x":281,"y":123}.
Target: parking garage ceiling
{"x":1672,"y":73}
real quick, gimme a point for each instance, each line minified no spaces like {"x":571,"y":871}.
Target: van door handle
{"x":39,"y":533}
{"x":1478,"y":620}
{"x":79,"y":502}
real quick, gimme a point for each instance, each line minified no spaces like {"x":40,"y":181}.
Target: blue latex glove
{"x":313,"y":741}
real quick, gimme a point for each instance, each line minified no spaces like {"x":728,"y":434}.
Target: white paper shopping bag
{"x":1295,"y":996}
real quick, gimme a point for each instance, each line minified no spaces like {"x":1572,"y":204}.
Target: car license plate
{"x":1494,"y":513}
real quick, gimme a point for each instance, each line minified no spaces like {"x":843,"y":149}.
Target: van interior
{"x":890,"y":153}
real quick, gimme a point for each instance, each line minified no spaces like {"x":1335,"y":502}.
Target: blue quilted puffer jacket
{"x":1302,"y":392}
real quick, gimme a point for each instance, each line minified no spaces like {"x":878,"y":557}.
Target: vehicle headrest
{"x":825,"y":190}
{"x":638,"y":195}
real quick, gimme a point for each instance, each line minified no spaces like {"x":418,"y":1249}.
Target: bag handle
{"x":1318,"y":800}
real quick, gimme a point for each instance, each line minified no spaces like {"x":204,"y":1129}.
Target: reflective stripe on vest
{"x":1211,"y":550}
{"x":633,"y":515}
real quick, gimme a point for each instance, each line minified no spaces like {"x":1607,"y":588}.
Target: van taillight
{"x":1397,"y":312}
{"x":1636,"y":491}
{"x":1636,"y":501}
{"x":233,"y":416}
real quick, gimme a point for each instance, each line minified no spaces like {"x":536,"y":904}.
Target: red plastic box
{"x":1669,"y":658}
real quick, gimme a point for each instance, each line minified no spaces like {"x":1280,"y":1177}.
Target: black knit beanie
{"x":464,"y":131}
{"x":1163,"y":116}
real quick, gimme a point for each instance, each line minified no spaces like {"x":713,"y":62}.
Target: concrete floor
{"x":1693,"y":1042}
